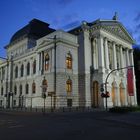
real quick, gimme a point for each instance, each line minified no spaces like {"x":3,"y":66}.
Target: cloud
{"x":71,"y":25}
{"x":137,"y":28}
{"x":66,"y":21}
{"x":137,"y":18}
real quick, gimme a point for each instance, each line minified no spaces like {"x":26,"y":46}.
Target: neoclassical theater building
{"x":68,"y":69}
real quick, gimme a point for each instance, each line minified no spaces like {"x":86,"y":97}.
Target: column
{"x":114,"y":56}
{"x":121,"y":55}
{"x":132,"y":63}
{"x":101,"y":53}
{"x":106,"y":54}
{"x":127,"y":58}
{"x":37,"y":63}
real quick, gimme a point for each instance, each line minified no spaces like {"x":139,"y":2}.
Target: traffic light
{"x":102,"y":88}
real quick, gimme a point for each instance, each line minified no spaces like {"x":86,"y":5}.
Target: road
{"x":94,"y":125}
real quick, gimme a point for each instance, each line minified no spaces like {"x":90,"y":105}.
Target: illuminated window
{"x":27,"y":88}
{"x":47,"y":61}
{"x":69,"y":61}
{"x":22,"y":70}
{"x":28,"y":68}
{"x":34,"y":67}
{"x":15,"y":89}
{"x":16,"y":72}
{"x":69,"y":85}
{"x":33,"y":87}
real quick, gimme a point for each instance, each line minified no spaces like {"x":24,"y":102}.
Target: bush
{"x":124,"y":109}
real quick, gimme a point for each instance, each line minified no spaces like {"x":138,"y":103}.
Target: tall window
{"x":16,"y":72}
{"x":1,"y":90}
{"x":15,"y":89}
{"x":33,"y":87}
{"x":27,"y":88}
{"x":47,"y":61}
{"x":34,"y":67}
{"x":28,"y":68}
{"x":69,"y":61}
{"x":22,"y":70}
{"x":69,"y":85}
{"x":44,"y":85}
{"x":20,"y":89}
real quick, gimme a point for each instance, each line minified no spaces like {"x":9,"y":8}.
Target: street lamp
{"x":106,"y":95}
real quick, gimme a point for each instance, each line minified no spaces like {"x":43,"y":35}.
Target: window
{"x":69,"y":85}
{"x":14,"y":102}
{"x":69,"y":61}
{"x":47,"y":61}
{"x":22,"y":70}
{"x":15,"y":89}
{"x":44,"y":85}
{"x":1,"y":91}
{"x":33,"y":87}
{"x":28,"y":68}
{"x":27,"y":88}
{"x":16,"y":72}
{"x":34,"y":67}
{"x":20,"y":89}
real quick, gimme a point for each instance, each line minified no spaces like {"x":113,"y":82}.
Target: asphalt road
{"x":69,"y":126}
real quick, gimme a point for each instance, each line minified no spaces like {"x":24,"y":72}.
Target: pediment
{"x":119,"y":31}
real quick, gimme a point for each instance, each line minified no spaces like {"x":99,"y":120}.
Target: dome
{"x":35,"y":29}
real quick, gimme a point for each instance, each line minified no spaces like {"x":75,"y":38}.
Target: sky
{"x":65,"y":14}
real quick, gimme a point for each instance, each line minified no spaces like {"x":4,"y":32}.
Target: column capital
{"x":113,"y":43}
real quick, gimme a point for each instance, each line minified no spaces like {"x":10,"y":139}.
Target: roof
{"x":113,"y":26}
{"x":35,"y":29}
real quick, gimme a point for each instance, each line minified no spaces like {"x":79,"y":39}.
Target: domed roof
{"x":35,"y":29}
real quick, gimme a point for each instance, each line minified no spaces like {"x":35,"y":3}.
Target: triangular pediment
{"x":118,"y":30}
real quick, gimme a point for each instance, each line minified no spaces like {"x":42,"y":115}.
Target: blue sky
{"x":63,"y":14}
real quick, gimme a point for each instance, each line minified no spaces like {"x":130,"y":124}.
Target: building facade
{"x":68,"y":69}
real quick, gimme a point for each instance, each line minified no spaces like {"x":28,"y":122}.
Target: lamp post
{"x":106,"y":92}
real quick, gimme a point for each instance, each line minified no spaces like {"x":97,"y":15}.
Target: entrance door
{"x":95,"y":94}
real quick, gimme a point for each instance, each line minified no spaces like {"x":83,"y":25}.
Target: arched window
{"x":28,"y":68}
{"x":44,"y":85}
{"x":16,"y":72}
{"x":1,"y":90}
{"x":69,"y":61}
{"x":27,"y":88}
{"x":33,"y":87}
{"x":22,"y":70}
{"x":47,"y":61}
{"x":34,"y":67}
{"x":20,"y":89}
{"x":15,"y":89}
{"x":69,"y":85}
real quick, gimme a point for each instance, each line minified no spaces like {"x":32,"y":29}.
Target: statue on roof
{"x":115,"y":17}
